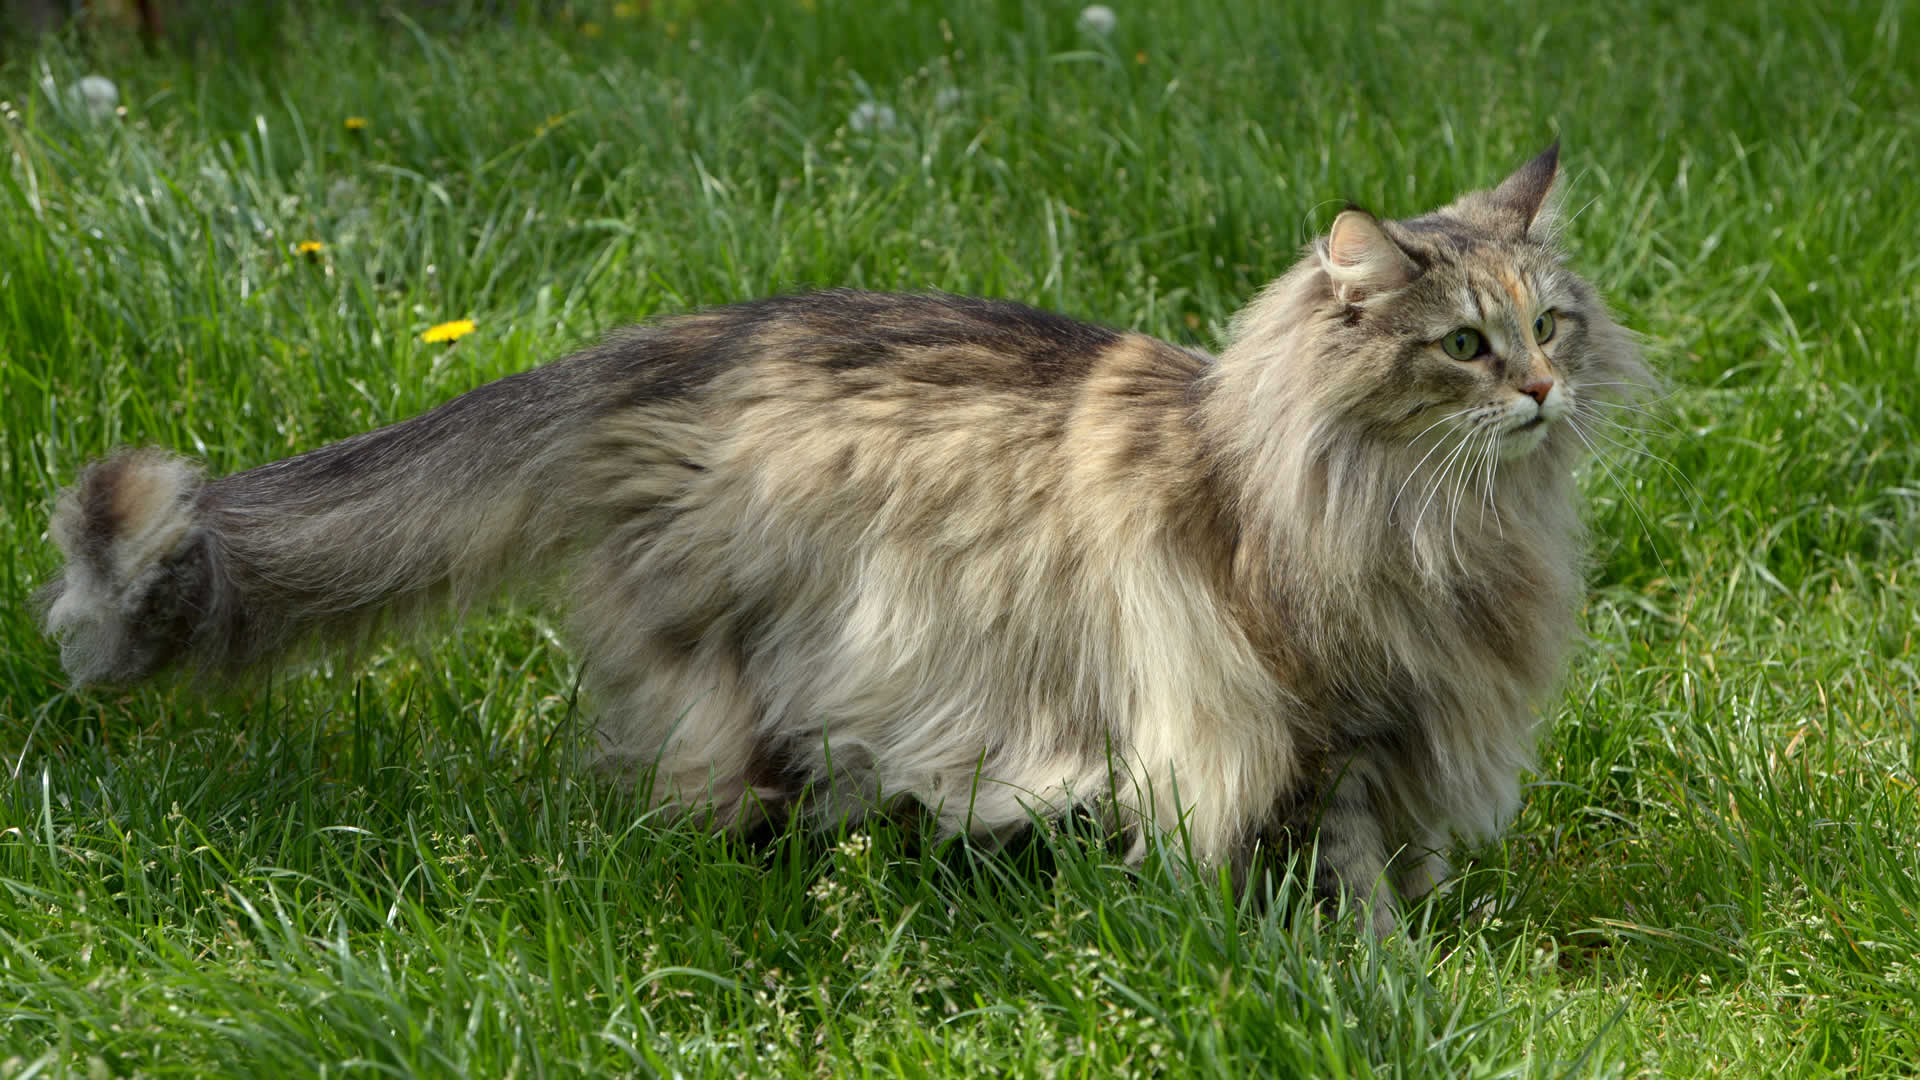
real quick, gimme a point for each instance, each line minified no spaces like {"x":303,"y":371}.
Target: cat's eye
{"x":1543,"y":327}
{"x":1463,"y":344}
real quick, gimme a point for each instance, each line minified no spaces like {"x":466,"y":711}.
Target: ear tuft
{"x":1361,"y":259}
{"x":1525,"y":192}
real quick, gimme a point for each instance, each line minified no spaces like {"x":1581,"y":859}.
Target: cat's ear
{"x":1525,"y":192}
{"x":1361,"y":259}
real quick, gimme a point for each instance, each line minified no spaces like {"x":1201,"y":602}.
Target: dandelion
{"x":1140,"y":57}
{"x":871,"y":116}
{"x":949,"y":98}
{"x":1097,"y":19}
{"x":356,"y":123}
{"x":96,"y":94}
{"x":448,"y":331}
{"x":627,"y":11}
{"x":309,"y":247}
{"x":590,"y":29}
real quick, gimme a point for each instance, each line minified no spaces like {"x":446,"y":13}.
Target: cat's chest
{"x":1381,"y":656}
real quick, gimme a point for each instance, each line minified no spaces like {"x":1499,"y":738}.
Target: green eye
{"x":1543,"y":327}
{"x":1463,"y":344}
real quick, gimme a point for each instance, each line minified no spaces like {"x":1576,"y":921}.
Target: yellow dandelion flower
{"x":589,"y":29}
{"x":356,"y":123}
{"x":448,"y":331}
{"x":1140,"y":57}
{"x":309,"y":247}
{"x":627,"y":11}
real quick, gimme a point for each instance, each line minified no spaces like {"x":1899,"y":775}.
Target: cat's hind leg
{"x":684,"y":727}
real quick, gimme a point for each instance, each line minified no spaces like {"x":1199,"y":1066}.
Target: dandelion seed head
{"x":97,"y":94}
{"x":949,"y":98}
{"x":1097,"y":19}
{"x":871,"y":116}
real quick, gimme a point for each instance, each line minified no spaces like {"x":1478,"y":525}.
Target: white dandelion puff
{"x":1097,"y":19}
{"x":871,"y":116}
{"x":97,"y":94}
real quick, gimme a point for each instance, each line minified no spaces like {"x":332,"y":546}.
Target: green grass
{"x":388,"y":870}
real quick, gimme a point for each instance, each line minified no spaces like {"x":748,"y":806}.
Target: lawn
{"x":389,"y":869}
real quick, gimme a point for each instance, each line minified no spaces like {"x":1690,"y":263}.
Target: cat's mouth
{"x":1522,"y":439}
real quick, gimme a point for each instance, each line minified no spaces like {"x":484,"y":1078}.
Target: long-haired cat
{"x":826,"y":550}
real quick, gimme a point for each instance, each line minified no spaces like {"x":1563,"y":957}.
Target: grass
{"x":388,"y":870}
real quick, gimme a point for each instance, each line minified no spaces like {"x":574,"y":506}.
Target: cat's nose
{"x":1538,"y":390}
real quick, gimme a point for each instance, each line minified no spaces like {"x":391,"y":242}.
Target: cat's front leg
{"x":1422,"y":867}
{"x":1353,"y":856}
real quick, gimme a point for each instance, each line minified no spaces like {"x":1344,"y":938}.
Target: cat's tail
{"x":165,"y":568}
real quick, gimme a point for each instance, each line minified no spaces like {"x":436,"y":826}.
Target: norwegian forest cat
{"x":825,"y":550}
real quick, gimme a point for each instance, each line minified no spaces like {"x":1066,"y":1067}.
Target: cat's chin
{"x":1522,"y":441}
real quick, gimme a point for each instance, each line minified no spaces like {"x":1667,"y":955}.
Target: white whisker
{"x":1488,"y":503}
{"x":1439,"y":479}
{"x":1620,"y":485}
{"x":1457,"y":490}
{"x":1673,"y":470}
{"x":1411,"y":473}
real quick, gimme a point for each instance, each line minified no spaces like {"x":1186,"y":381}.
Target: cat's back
{"x":846,"y":388}
{"x":931,"y":423}
{"x":851,"y":342}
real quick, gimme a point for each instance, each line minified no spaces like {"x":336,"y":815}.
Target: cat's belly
{"x":991,"y":689}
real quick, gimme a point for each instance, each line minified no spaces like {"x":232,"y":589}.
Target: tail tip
{"x":122,"y":527}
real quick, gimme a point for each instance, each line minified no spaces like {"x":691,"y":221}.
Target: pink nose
{"x":1538,"y":390}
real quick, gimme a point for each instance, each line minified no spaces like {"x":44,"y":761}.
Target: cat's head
{"x":1464,"y":324}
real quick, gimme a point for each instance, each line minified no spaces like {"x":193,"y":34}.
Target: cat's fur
{"x":973,"y":554}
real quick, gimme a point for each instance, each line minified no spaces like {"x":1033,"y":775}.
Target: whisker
{"x":1638,"y":404}
{"x":1440,"y":475}
{"x":1615,"y":425}
{"x":1575,"y":216}
{"x":1411,"y":473}
{"x":1641,"y":397}
{"x":1488,"y":503}
{"x":1687,"y":487}
{"x":1594,"y":407}
{"x":1583,"y":385}
{"x":1469,"y":464}
{"x":1625,"y":494}
{"x":1665,"y":423}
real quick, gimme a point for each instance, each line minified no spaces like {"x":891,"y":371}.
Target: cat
{"x":827,"y":550}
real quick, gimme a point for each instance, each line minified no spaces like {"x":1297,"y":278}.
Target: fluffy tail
{"x":167,"y":569}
